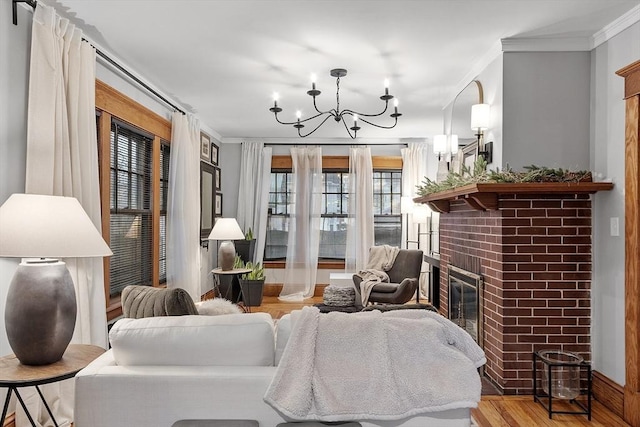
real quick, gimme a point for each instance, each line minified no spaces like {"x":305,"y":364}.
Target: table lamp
{"x":40,"y":312}
{"x":227,"y":230}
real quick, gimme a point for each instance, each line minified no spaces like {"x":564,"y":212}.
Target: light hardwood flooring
{"x":492,"y":411}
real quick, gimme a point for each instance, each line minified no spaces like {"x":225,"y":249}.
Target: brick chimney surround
{"x":533,"y":243}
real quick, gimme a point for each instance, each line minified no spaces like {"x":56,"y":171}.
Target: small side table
{"x":14,"y":375}
{"x":236,"y":272}
{"x":552,"y":370}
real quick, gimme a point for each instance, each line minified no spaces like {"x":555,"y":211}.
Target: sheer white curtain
{"x":304,"y":225}
{"x":183,"y":206}
{"x":253,"y":193}
{"x":62,"y":160}
{"x":414,"y":169}
{"x":360,"y":235}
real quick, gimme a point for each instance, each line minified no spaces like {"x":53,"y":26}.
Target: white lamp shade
{"x":226,"y":229}
{"x":454,"y":144}
{"x":439,"y":144}
{"x":406,"y":204}
{"x":480,"y":115}
{"x":420,"y":213}
{"x":40,"y":226}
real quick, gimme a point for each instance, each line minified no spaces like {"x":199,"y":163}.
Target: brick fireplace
{"x":534,"y":254}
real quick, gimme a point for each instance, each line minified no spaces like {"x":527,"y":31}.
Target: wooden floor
{"x":493,"y":411}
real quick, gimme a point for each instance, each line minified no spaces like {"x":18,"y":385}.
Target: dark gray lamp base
{"x":40,"y":314}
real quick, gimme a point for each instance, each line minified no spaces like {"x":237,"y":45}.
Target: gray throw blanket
{"x":381,"y":259}
{"x":376,"y":366}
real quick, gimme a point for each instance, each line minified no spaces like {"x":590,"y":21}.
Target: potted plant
{"x":245,"y":248}
{"x":252,"y":284}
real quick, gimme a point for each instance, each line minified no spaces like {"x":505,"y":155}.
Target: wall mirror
{"x":461,"y":123}
{"x":207,"y":188}
{"x":461,"y":112}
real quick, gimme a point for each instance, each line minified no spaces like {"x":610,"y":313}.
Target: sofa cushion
{"x":283,"y":331}
{"x":226,"y":340}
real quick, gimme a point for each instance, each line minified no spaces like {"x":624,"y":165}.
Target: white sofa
{"x":162,"y":370}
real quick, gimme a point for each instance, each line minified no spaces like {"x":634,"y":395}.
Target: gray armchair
{"x":404,"y":277}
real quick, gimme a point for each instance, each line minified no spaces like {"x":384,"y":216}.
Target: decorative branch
{"x":479,"y":174}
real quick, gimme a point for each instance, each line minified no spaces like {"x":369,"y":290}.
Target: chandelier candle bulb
{"x":313,"y":81}
{"x":386,"y":86}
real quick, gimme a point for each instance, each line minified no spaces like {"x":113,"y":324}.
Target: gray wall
{"x":607,"y":160}
{"x":546,"y":109}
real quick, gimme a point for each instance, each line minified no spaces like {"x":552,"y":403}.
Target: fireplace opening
{"x":465,"y":301}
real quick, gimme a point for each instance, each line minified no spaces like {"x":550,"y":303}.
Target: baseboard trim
{"x":609,"y":393}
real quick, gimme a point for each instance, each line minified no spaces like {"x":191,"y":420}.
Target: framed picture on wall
{"x":207,"y":191}
{"x":205,"y":147}
{"x":217,"y":180}
{"x":217,"y":206}
{"x":215,"y":150}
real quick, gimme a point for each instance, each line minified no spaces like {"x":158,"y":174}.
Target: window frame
{"x":111,"y":104}
{"x":284,"y":163}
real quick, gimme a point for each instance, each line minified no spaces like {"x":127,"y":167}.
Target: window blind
{"x":130,"y":206}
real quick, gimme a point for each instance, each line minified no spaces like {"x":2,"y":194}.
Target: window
{"x":164,"y":191}
{"x":387,"y":219}
{"x":130,"y":221}
{"x":335,"y":208}
{"x":278,"y":216}
{"x":133,"y":154}
{"x":387,"y":189}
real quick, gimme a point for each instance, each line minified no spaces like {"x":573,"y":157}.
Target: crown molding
{"x":546,"y":44}
{"x":616,"y":27}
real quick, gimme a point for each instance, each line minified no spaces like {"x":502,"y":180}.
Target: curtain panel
{"x":253,"y":193}
{"x":183,"y":206}
{"x":414,"y":169}
{"x":360,"y":229}
{"x":62,"y":160}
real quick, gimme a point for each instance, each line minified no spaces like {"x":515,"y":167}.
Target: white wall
{"x":607,"y":158}
{"x":546,"y":109}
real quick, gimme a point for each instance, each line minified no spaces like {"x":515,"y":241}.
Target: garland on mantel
{"x":480,"y":174}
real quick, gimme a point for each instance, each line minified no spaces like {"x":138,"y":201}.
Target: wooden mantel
{"x":484,"y":196}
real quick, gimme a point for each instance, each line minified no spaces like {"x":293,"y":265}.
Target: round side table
{"x":14,"y":375}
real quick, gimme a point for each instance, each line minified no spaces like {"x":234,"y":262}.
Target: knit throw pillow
{"x":216,"y":306}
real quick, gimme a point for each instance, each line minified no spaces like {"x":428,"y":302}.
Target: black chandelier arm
{"x":315,"y":129}
{"x":330,"y":114}
{"x":349,"y":130}
{"x":386,"y":107}
{"x":380,"y":126}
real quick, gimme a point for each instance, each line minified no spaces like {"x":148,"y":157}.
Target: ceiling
{"x":223,"y":59}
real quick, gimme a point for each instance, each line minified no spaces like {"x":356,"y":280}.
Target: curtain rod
{"x":292,"y":144}
{"x":33,"y":4}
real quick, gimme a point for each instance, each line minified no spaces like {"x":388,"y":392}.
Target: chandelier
{"x":336,"y":113}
